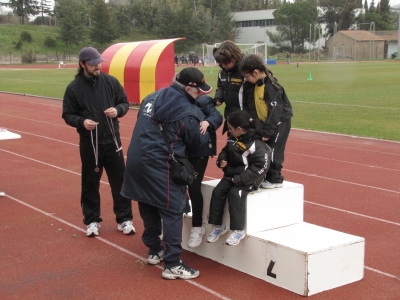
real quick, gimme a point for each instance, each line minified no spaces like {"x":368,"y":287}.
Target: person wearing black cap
{"x":147,"y":176}
{"x":92,"y":104}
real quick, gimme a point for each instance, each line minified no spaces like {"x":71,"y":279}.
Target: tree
{"x":72,"y":16}
{"x":102,"y":30}
{"x":341,"y":12}
{"x":23,"y":8}
{"x":384,"y":11}
{"x":223,"y":26}
{"x":293,"y":22}
{"x":372,"y":8}
{"x":44,"y":8}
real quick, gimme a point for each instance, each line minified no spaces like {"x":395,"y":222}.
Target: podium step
{"x":300,"y":257}
{"x":265,"y":208}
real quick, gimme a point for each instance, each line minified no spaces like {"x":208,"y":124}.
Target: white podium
{"x":282,"y":249}
{"x":7,"y":135}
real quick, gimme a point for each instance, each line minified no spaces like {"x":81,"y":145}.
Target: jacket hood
{"x":171,"y":104}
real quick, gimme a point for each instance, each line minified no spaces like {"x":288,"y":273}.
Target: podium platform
{"x":282,"y":249}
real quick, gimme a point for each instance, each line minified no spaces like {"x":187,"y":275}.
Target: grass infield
{"x":360,"y":99}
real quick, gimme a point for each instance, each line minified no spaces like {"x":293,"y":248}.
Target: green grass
{"x":359,"y":99}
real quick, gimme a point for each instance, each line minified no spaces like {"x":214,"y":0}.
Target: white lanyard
{"x":95,"y":149}
{"x":111,"y":125}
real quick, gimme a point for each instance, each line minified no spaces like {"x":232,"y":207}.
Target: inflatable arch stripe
{"x":141,"y":67}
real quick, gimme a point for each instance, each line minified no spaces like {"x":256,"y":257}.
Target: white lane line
{"x":352,"y":213}
{"x":377,"y":219}
{"x":216,"y":294}
{"x":339,"y":209}
{"x":343,"y":181}
{"x":345,"y":105}
{"x":343,"y":161}
{"x":54,"y":124}
{"x":382,"y":273}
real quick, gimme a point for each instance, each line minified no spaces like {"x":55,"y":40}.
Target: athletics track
{"x":351,"y":185}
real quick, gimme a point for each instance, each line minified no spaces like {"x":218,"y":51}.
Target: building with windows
{"x":253,"y":26}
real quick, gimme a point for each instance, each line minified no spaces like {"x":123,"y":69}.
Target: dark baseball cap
{"x":194,"y":78}
{"x":91,"y":56}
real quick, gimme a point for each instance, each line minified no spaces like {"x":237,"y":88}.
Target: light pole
{"x":309,"y":46}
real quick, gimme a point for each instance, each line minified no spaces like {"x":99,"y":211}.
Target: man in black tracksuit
{"x":92,"y":104}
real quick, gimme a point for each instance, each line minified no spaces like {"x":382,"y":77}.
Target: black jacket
{"x":87,"y":98}
{"x":147,"y":174}
{"x":279,"y":107}
{"x":231,"y":87}
{"x":248,"y":159}
{"x":208,"y":147}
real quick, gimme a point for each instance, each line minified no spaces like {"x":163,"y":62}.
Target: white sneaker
{"x":268,"y":185}
{"x":156,"y":258}
{"x":196,"y":236}
{"x":180,"y":271}
{"x":93,"y":229}
{"x":189,"y":215}
{"x":216,"y":232}
{"x":127,"y":228}
{"x":235,"y":237}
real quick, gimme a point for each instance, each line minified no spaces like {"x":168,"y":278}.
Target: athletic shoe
{"x":92,"y":229}
{"x":126,"y":227}
{"x":196,"y":236}
{"x":180,"y":271}
{"x":235,"y":237}
{"x":269,"y":185}
{"x":189,"y":215}
{"x":216,"y":232}
{"x":155,"y":259}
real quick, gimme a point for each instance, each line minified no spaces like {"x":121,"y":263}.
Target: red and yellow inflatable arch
{"x":141,"y":67}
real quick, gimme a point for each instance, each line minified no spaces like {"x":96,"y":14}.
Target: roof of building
{"x":363,"y":35}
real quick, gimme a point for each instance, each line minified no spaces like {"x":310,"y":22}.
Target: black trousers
{"x":277,"y":142}
{"x":196,"y":197}
{"x":237,"y":196}
{"x":114,"y":165}
{"x":171,"y":228}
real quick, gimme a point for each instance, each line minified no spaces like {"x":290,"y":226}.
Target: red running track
{"x":351,"y":185}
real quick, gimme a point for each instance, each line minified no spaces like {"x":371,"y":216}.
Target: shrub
{"x":50,"y":42}
{"x":28,"y":57}
{"x":18,"y":45}
{"x":26,"y":36}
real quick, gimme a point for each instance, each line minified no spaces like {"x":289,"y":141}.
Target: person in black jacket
{"x":199,"y":160}
{"x":245,"y":159}
{"x":148,"y":179}
{"x":92,"y":104}
{"x":231,"y":84}
{"x":271,"y":105}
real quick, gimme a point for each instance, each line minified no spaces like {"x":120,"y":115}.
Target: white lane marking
{"x":345,"y":105}
{"x":114,"y":245}
{"x":343,"y":161}
{"x":371,"y":269}
{"x":344,"y":181}
{"x":352,"y":213}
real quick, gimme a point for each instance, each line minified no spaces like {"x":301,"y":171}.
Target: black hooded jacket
{"x":88,"y":98}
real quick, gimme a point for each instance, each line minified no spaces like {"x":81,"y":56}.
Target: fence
{"x":14,"y":56}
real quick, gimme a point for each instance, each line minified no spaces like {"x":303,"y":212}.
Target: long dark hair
{"x":80,"y":70}
{"x":241,"y":118}
{"x":251,"y":62}
{"x":227,"y":52}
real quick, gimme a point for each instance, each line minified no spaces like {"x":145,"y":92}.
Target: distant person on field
{"x":288,"y":58}
{"x":271,"y":105}
{"x":245,"y":160}
{"x":147,"y":179}
{"x":92,"y":104}
{"x":231,"y":83}
{"x":199,"y":159}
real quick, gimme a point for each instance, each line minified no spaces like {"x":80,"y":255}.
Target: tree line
{"x":200,"y":21}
